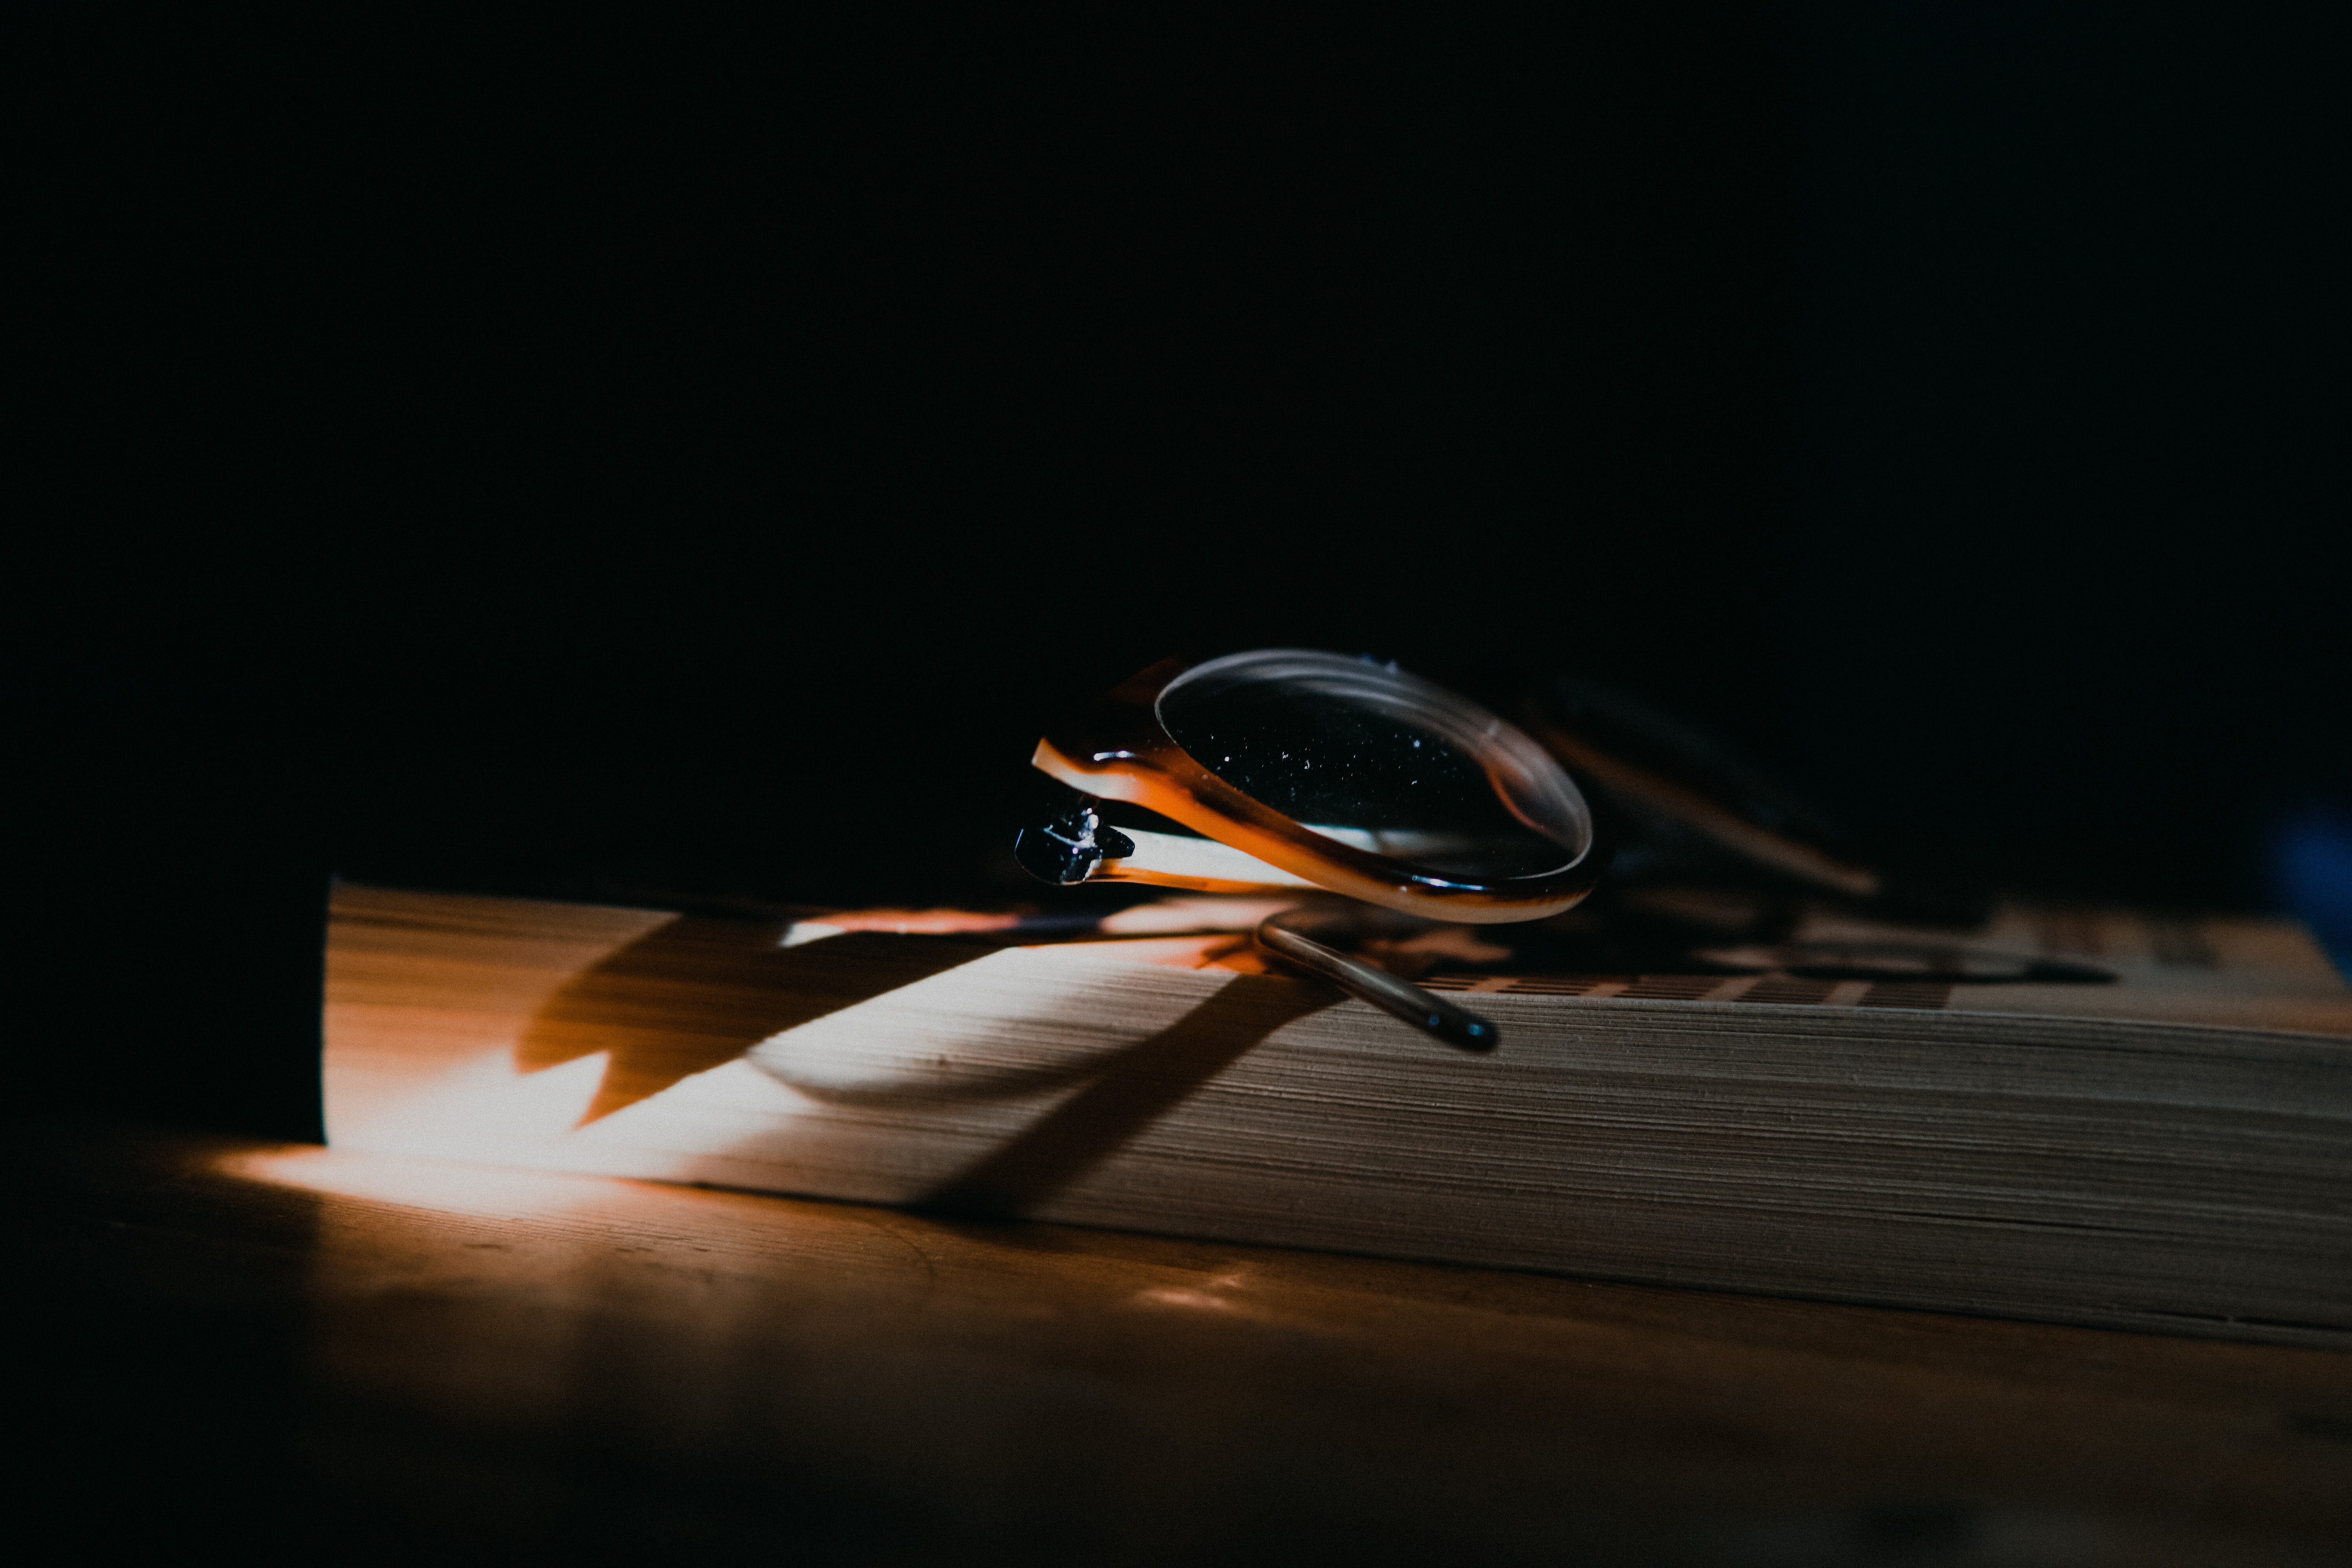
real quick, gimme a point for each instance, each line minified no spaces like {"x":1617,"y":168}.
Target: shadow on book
{"x":694,"y":993}
{"x":1129,"y":1091}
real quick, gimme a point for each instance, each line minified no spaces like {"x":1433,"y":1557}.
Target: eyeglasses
{"x":1309,"y":770}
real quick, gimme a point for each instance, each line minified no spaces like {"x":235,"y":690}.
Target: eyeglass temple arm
{"x":1078,"y":846}
{"x":1399,"y":998}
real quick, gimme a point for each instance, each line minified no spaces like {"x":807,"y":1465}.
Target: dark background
{"x":706,"y":463}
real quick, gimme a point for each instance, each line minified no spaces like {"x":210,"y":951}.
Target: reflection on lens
{"x":1380,"y":761}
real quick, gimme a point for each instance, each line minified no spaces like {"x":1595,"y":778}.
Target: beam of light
{"x":488,"y":1096}
{"x":483,"y":1192}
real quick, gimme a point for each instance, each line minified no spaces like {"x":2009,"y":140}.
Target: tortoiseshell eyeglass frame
{"x":1120,"y":748}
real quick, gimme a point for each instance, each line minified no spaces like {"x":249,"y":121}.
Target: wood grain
{"x":385,"y":1356}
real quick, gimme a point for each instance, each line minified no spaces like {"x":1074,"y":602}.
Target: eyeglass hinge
{"x":1067,"y":850}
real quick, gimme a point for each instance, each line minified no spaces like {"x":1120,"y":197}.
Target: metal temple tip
{"x":1464,"y":1029}
{"x":1399,"y":998}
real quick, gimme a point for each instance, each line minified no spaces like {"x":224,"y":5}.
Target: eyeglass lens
{"x":1369,"y":762}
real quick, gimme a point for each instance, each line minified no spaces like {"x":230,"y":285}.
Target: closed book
{"x":2168,"y":1151}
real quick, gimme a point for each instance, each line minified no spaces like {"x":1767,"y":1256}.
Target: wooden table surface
{"x":366,"y":1359}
